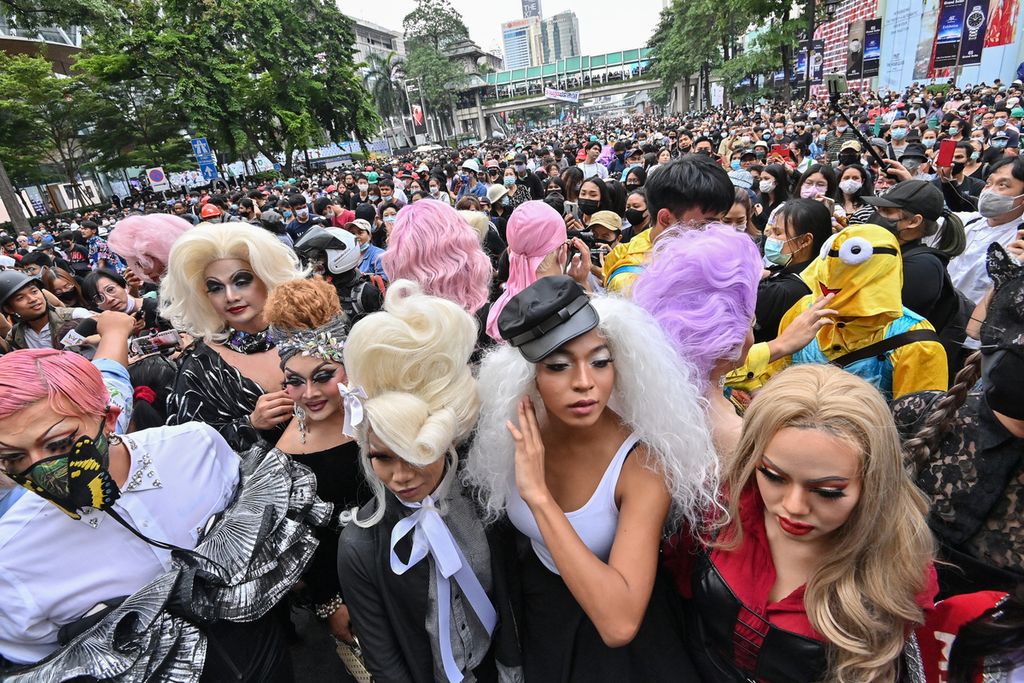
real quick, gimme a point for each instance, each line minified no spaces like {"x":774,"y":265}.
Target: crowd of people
{"x":727,"y":396}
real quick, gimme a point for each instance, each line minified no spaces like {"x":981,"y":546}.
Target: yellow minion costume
{"x":626,"y":261}
{"x":861,"y":266}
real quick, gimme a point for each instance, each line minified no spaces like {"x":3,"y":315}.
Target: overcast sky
{"x":605,"y":25}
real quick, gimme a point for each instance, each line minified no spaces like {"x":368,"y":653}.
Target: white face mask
{"x":363,"y":187}
{"x":766,"y":186}
{"x":850,"y":186}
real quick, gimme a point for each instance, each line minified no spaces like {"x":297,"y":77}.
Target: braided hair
{"x":939,"y":418}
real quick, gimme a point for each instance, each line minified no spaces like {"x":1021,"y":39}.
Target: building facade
{"x":560,"y":37}
{"x":375,"y":39}
{"x":521,"y":43}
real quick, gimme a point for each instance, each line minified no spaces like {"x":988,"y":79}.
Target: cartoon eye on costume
{"x":825,"y":248}
{"x":855,"y":251}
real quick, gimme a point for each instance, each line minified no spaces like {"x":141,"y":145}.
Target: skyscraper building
{"x":560,"y":37}
{"x":521,"y":40}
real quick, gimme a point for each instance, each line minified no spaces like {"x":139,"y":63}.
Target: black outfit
{"x":761,"y":220}
{"x":209,"y":390}
{"x":962,"y":197}
{"x":975,"y":484}
{"x":358,"y":295}
{"x":151,"y":317}
{"x":776,"y":294}
{"x":927,"y":289}
{"x":389,"y":611}
{"x":561,"y":644}
{"x":532,"y":181}
{"x":500,"y":220}
{"x":78,"y":257}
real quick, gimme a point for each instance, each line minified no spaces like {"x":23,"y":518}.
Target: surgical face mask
{"x":745,"y":139}
{"x":898,"y":133}
{"x":975,"y":156}
{"x":840,"y":129}
{"x":508,"y":181}
{"x":506,"y":200}
{"x":287,"y":213}
{"x":850,"y":186}
{"x":999,"y":144}
{"x":928,"y":142}
{"x":810,"y":191}
{"x":364,"y":247}
{"x":76,"y":479}
{"x":1000,"y":122}
{"x":779,"y":131}
{"x":735,"y":164}
{"x":520,"y":168}
{"x":363,"y":187}
{"x":435,"y":190}
{"x":773,"y":252}
{"x":992,"y":204}
{"x":1000,"y":375}
{"x":389,"y":219}
{"x":374,"y":197}
{"x":911,"y":165}
{"x":766,"y":186}
{"x":464,"y":178}
{"x":953,"y":130}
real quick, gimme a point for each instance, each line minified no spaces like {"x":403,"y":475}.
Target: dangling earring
{"x":300,"y":415}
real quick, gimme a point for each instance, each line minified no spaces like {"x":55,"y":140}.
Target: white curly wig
{"x":655,"y":393}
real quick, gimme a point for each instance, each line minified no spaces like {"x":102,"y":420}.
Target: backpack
{"x":352,"y":301}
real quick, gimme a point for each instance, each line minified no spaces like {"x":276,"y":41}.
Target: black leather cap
{"x":544,"y":316}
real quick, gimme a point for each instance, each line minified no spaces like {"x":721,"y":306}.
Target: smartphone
{"x":573,"y":209}
{"x":944,"y":158}
{"x":781,"y":150}
{"x":155,"y":343}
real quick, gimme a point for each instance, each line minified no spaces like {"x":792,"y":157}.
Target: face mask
{"x":1000,"y":374}
{"x":1000,"y":122}
{"x":898,"y":133}
{"x":810,"y":191}
{"x":735,"y":164}
{"x":999,"y":144}
{"x":759,"y":155}
{"x":778,"y":131}
{"x":464,"y":178}
{"x":958,"y":167}
{"x":992,"y":204}
{"x":767,"y":136}
{"x":374,"y":197}
{"x":766,"y":186}
{"x":589,"y":206}
{"x":434,"y":190}
{"x":911,"y":165}
{"x":850,"y":186}
{"x":953,"y":130}
{"x":975,"y":156}
{"x":287,"y":213}
{"x":632,"y":186}
{"x":505,"y":201}
{"x":840,"y":129}
{"x":928,"y":142}
{"x":508,"y":181}
{"x":635,"y":217}
{"x":823,"y":137}
{"x":389,"y":219}
{"x":234,"y":207}
{"x":773,"y":252}
{"x":363,"y":187}
{"x":520,"y":168}
{"x":75,"y":480}
{"x":302,"y":216}
{"x":881,"y":221}
{"x":745,"y":139}
{"x":364,"y":247}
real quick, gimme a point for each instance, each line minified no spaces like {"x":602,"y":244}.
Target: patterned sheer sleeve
{"x":210,"y":391}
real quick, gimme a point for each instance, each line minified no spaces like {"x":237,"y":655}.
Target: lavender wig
{"x":145,"y":242}
{"x":432,"y":245}
{"x":701,"y":286}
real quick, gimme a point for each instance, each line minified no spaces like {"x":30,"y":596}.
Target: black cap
{"x":915,"y":196}
{"x":520,"y":159}
{"x":366,"y":212}
{"x":544,"y":316}
{"x":915,"y":151}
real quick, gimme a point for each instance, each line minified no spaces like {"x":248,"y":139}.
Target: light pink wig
{"x":433,"y":246}
{"x":68,"y":382}
{"x":534,"y":230}
{"x":146,"y":241}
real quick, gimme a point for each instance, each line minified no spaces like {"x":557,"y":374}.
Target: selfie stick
{"x":834,"y":91}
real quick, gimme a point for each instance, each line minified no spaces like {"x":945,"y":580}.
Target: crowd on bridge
{"x":733,"y":395}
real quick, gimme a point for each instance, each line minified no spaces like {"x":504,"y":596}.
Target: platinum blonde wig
{"x":183,"y":298}
{"x":656,"y":394}
{"x":412,"y":360}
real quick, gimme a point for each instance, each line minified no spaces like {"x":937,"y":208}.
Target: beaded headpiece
{"x":326,"y":341}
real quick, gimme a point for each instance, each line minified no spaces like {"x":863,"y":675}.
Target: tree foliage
{"x":435,"y":24}
{"x":29,"y":14}
{"x":429,"y":29}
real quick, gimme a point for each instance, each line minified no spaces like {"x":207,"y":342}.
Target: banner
{"x":927,"y":28}
{"x":872,"y":47}
{"x":562,"y":95}
{"x":855,"y":50}
{"x":975,"y":22}
{"x":817,"y":61}
{"x":948,"y":34}
{"x":416,"y":112}
{"x":1002,"y":22}
{"x":800,"y":70}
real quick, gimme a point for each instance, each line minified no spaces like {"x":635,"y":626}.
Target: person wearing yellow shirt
{"x":691,"y":189}
{"x":865,"y":329}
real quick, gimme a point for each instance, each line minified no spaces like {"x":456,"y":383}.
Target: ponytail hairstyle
{"x":941,"y":415}
{"x":862,"y":596}
{"x":412,"y":361}
{"x":153,"y":379}
{"x":952,"y":237}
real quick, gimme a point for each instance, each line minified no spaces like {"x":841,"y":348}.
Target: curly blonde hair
{"x":412,"y":360}
{"x":302,"y":304}
{"x":862,"y":597}
{"x":183,"y":299}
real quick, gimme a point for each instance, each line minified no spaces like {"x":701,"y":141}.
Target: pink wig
{"x":433,"y":246}
{"x":146,"y":241}
{"x":534,"y":230}
{"x":701,"y":287}
{"x":69,"y":383}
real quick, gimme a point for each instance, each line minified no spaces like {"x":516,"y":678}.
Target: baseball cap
{"x":916,"y":196}
{"x":851,"y":144}
{"x":608,"y":219}
{"x":360,"y":224}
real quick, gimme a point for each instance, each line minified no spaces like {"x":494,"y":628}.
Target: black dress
{"x":339,"y":481}
{"x":209,"y":390}
{"x":561,"y":644}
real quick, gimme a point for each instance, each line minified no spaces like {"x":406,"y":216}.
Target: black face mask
{"x":958,"y":167}
{"x":632,"y":186}
{"x":1001,"y":371}
{"x":589,"y":206}
{"x":75,"y":480}
{"x":848,"y":159}
{"x":883,"y":222}
{"x":635,"y":217}
{"x":68,"y":296}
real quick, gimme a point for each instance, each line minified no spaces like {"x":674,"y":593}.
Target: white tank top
{"x":595,"y":523}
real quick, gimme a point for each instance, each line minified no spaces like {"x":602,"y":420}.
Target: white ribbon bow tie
{"x":431,"y":534}
{"x":352,"y":400}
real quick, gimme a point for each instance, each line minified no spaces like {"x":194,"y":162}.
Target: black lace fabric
{"x":975,"y":480}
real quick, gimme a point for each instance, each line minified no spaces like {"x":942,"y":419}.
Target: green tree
{"x":434,"y":23}
{"x":384,"y":77}
{"x":27,"y":14}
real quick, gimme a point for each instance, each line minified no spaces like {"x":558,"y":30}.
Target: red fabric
{"x":943,"y":623}
{"x":750,"y":573}
{"x":342,"y":219}
{"x":144,"y":393}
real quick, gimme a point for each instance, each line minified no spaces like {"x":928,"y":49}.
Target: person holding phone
{"x":959,"y":190}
